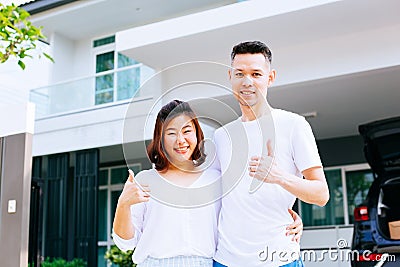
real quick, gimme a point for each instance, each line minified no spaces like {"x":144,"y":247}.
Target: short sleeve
{"x":216,"y":165}
{"x":304,"y":147}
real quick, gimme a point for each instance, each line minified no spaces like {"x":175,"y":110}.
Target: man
{"x":253,"y":220}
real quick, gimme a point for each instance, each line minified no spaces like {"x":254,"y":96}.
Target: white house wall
{"x":16,"y":83}
{"x":89,"y":129}
{"x":305,"y":51}
{"x":194,"y":80}
{"x":209,"y":20}
{"x":63,"y":50}
{"x":84,"y":59}
{"x":338,"y":55}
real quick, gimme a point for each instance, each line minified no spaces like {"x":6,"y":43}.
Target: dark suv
{"x":372,"y":238}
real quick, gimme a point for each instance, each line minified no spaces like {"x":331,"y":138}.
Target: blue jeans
{"x":296,"y":263}
{"x":217,"y":264}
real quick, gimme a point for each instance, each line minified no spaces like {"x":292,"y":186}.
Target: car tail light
{"x":361,"y":214}
{"x":370,"y":257}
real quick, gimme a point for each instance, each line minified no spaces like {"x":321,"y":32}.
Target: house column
{"x":16,"y":133}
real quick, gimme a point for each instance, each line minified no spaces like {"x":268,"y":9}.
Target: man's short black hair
{"x":252,"y":47}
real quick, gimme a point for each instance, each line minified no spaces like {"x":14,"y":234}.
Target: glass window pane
{"x":128,"y":83}
{"x":102,"y":211}
{"x":358,"y":183}
{"x":334,"y":178}
{"x":104,"y":89}
{"x":119,"y":175}
{"x":105,"y":82}
{"x":124,"y":61}
{"x":136,"y":168}
{"x":332,"y":213}
{"x":105,"y":62}
{"x":114,"y":200}
{"x":104,"y":41}
{"x":103,"y":177}
{"x":101,"y":261}
{"x":106,"y":97}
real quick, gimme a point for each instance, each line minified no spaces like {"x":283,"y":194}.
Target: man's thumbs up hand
{"x":264,"y":168}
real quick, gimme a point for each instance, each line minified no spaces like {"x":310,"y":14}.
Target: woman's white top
{"x":164,"y":231}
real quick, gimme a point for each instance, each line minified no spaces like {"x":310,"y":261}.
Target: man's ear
{"x":230,"y":74}
{"x":271,"y":77}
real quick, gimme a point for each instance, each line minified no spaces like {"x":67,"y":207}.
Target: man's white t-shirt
{"x":252,"y":226}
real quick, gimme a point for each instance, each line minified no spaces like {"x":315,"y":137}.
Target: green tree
{"x":18,"y":36}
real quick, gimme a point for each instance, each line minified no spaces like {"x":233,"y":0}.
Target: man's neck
{"x":252,"y":113}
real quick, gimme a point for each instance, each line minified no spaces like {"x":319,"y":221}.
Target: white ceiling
{"x":344,"y":102}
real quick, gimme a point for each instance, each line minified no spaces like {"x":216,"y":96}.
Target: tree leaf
{"x":18,"y":34}
{"x":48,"y":56}
{"x":21,"y":64}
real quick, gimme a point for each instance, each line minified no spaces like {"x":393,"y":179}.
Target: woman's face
{"x":179,"y":139}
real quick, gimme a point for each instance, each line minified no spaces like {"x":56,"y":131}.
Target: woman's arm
{"x":131,"y":194}
{"x":295,"y":228}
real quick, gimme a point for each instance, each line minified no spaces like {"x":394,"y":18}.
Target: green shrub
{"x":58,"y":262}
{"x":116,"y":256}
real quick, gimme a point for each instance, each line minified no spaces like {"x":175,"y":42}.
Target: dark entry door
{"x":35,"y":223}
{"x":85,"y":205}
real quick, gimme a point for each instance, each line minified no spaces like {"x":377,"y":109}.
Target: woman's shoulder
{"x":211,"y":172}
{"x":145,"y":174}
{"x":210,"y":175}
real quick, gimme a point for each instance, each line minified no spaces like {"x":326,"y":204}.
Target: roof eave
{"x":38,"y":6}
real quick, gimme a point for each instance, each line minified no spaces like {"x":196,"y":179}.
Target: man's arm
{"x":313,"y":189}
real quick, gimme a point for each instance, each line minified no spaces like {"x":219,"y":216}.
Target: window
{"x":111,"y":183}
{"x":117,"y":76}
{"x":358,"y":183}
{"x":348,"y":187}
{"x":128,"y":81}
{"x":104,"y":41}
{"x":333,"y":212}
{"x":105,"y":83}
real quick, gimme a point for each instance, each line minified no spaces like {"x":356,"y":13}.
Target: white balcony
{"x":104,"y":89}
{"x":90,"y":112}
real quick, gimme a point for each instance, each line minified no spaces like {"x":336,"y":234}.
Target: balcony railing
{"x":100,"y":90}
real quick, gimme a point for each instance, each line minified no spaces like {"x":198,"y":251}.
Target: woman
{"x":165,"y":234}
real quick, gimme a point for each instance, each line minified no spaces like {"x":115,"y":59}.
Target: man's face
{"x":250,"y":77}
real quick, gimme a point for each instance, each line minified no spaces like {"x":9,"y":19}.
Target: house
{"x":116,"y":62}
